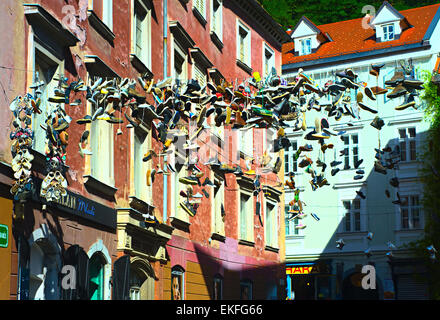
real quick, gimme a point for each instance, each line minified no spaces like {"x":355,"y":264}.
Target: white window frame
{"x":199,"y":74}
{"x":218,"y":196}
{"x":177,"y":212}
{"x":107,"y":13}
{"x":410,"y":209}
{"x":268,"y":63}
{"x":351,"y":213}
{"x":249,"y":216}
{"x":217,"y":18}
{"x":200,"y":6}
{"x":39,"y":141}
{"x":176,"y":49}
{"x":306,"y":46}
{"x":270,"y":223}
{"x":140,"y":168}
{"x":386,"y":32}
{"x":145,"y":55}
{"x":246,"y":43}
{"x":245,"y":141}
{"x":350,"y":146}
{"x":290,"y":224}
{"x":407,"y":142}
{"x":291,"y":163}
{"x":102,"y":159}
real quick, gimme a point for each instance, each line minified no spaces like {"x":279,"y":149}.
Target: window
{"x":47,"y":69}
{"x":177,"y":283}
{"x":218,"y":287}
{"x":270,"y":228}
{"x":352,"y":215}
{"x":218,"y":226}
{"x":306,"y":46}
{"x":246,"y":217}
{"x":290,"y":161}
{"x":217,"y":18}
{"x":268,"y":60}
{"x":102,"y":148}
{"x":245,"y":140}
{"x":245,"y":290}
{"x":200,"y":5}
{"x":243,"y":44}
{"x":410,"y":212}
{"x":291,"y":224}
{"x":388,"y":32}
{"x":180,"y":67}
{"x":199,"y":75}
{"x":135,"y":286}
{"x":107,"y":13}
{"x":96,"y":277}
{"x":407,"y":142}
{"x":142,"y":143}
{"x":141,"y":32}
{"x":351,"y":155}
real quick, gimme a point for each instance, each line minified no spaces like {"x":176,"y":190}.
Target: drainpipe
{"x":165,"y":67}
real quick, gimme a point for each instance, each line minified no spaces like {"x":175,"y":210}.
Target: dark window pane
{"x":286,"y":163}
{"x":412,"y":132}
{"x":356,"y":204}
{"x":404,"y":214}
{"x":355,"y":154}
{"x":402,"y":133}
{"x":357,"y":221}
{"x":403,"y":151}
{"x":416,"y":218}
{"x":354,"y":138}
{"x":412,"y":150}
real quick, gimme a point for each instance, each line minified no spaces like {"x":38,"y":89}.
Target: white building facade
{"x":315,"y":267}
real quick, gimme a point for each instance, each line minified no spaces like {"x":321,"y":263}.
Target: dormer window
{"x":388,"y":32}
{"x":306,"y":46}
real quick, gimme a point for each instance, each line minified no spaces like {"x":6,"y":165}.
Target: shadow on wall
{"x":379,"y":214}
{"x":240,"y":282}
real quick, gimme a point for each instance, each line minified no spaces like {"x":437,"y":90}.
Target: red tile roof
{"x":350,"y":37}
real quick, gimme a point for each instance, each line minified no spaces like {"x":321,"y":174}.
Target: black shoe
{"x":208,"y":182}
{"x":394,"y":182}
{"x":358,"y":177}
{"x":360,"y":194}
{"x":358,"y":163}
{"x":378,"y":167}
{"x":335,"y":163}
{"x":335,"y":171}
{"x":205,"y":193}
{"x":188,"y":208}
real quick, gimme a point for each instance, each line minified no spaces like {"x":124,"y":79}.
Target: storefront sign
{"x":86,"y":208}
{"x":4,"y":236}
{"x":78,"y":205}
{"x":307,"y":269}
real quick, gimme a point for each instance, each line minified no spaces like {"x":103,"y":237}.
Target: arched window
{"x":135,"y":285}
{"x":142,"y":278}
{"x":246,"y":290}
{"x":177,"y":283}
{"x":96,"y":277}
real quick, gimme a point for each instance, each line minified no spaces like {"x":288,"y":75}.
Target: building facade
{"x":315,"y":267}
{"x":98,"y":222}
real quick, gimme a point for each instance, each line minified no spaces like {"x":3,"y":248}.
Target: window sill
{"x":414,"y":230}
{"x":244,"y":66}
{"x":180,"y":224}
{"x":246,"y":243}
{"x":295,"y":237}
{"x":100,"y":26}
{"x":199,"y":16}
{"x":219,"y":44}
{"x":218,"y":237}
{"x":140,"y":66}
{"x":270,"y":248}
{"x":98,"y":186}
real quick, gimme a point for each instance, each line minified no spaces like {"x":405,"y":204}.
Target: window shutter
{"x":200,"y":76}
{"x":77,"y":257}
{"x":121,"y":278}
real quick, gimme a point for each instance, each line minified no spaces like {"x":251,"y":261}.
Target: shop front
{"x":5,"y":247}
{"x":309,"y":280}
{"x":73,"y":231}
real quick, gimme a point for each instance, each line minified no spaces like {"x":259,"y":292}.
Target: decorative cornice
{"x":96,"y":66}
{"x":181,"y":35}
{"x":98,"y":186}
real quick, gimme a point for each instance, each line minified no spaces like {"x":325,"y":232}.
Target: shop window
{"x":177,"y":283}
{"x":96,"y":277}
{"x":246,"y":290}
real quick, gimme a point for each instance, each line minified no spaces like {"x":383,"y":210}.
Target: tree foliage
{"x":288,"y":12}
{"x":430,"y":178}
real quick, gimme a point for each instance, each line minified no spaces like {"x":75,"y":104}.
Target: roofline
{"x":283,"y":37}
{"x":386,"y":3}
{"x":356,"y":55}
{"x":432,"y":25}
{"x":308,"y":22}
